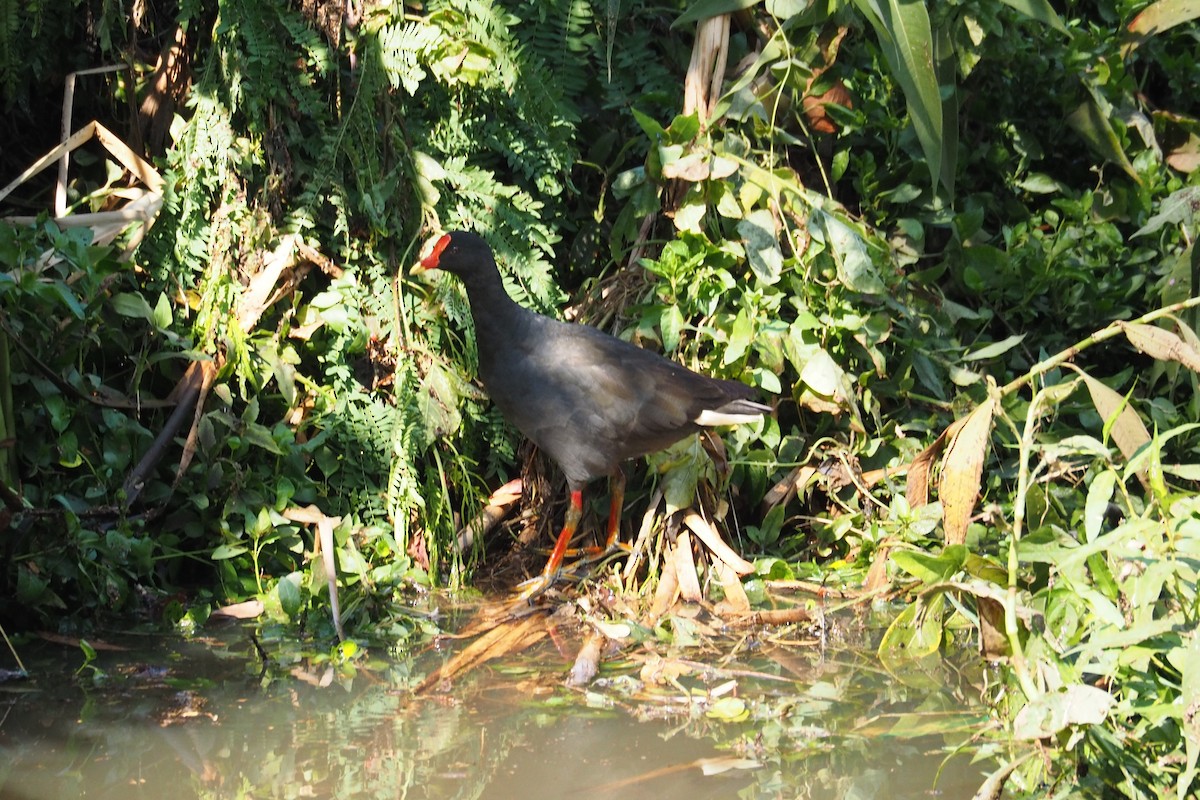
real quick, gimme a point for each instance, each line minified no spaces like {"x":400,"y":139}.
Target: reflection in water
{"x":195,"y":719}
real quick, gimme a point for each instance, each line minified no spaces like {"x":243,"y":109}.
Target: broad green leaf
{"x":1054,"y":711}
{"x":680,"y":465}
{"x":762,"y":245}
{"x":228,"y":551}
{"x":68,"y":299}
{"x":260,"y":436}
{"x":995,"y":348}
{"x":929,"y":568}
{"x":438,"y":401}
{"x":288,"y":589}
{"x":1178,"y":208}
{"x":821,"y":373}
{"x":711,"y":8}
{"x":670,"y":323}
{"x":728,"y":709}
{"x":1188,"y":664}
{"x":739,"y":338}
{"x":162,"y":313}
{"x":946,"y":72}
{"x":766,"y":380}
{"x":907,"y":42}
{"x":689,"y":215}
{"x":132,"y":304}
{"x":1092,"y":123}
{"x":684,"y":128}
{"x":1041,"y":183}
{"x":855,"y":268}
{"x":917,"y":632}
{"x":1039,"y":10}
{"x":649,"y":125}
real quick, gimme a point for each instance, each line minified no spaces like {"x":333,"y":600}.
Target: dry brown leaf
{"x":713,"y":541}
{"x":250,"y":609}
{"x":916,"y":489}
{"x":772,"y":616}
{"x":1129,"y":432}
{"x":497,"y":642}
{"x":497,"y":508}
{"x":1162,"y":344}
{"x":877,"y":574}
{"x":735,"y":600}
{"x":1187,"y":334}
{"x":685,"y":569}
{"x":993,"y":641}
{"x":962,"y":469}
{"x":658,"y":671}
{"x":782,"y":491}
{"x":587,"y":661}
{"x":257,"y":296}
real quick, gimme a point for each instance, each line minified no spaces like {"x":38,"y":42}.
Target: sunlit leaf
{"x":1096,"y":507}
{"x":1188,"y":664}
{"x":762,"y":245}
{"x":671,"y":324}
{"x":740,"y":337}
{"x":906,"y":39}
{"x":689,"y":215}
{"x":930,"y":568}
{"x":1123,"y":423}
{"x":916,"y":633}
{"x":995,"y":348}
{"x":161,"y":317}
{"x":722,"y":764}
{"x":1052,"y":712}
{"x":1158,"y":17}
{"x":855,"y":268}
{"x":1162,"y":344}
{"x":821,"y":373}
{"x":728,"y":709}
{"x":226,"y":551}
{"x":962,"y":469}
{"x":290,"y":598}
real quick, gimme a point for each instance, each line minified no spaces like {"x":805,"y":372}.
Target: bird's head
{"x":460,"y":252}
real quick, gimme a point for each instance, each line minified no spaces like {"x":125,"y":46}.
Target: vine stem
{"x":1108,"y":332}
{"x":1024,"y":477}
{"x":1011,"y":628}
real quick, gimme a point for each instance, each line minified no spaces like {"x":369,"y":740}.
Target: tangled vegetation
{"x":954,"y":244}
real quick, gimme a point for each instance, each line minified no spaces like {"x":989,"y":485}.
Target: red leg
{"x":617,"y":487}
{"x":574,"y":512}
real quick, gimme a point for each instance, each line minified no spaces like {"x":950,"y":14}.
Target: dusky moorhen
{"x":587,"y":399}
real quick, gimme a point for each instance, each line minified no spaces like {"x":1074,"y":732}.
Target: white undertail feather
{"x":734,"y":413}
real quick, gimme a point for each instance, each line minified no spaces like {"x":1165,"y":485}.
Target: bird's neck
{"x":497,"y":316}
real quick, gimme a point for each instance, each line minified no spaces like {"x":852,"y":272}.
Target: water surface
{"x":172,"y":717}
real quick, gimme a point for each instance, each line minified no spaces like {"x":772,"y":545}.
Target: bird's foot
{"x":574,"y":572}
{"x":535,"y":587}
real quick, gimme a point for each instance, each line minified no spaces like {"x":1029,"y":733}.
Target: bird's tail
{"x":735,"y":412}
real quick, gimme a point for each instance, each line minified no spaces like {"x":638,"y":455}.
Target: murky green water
{"x":204,"y":717}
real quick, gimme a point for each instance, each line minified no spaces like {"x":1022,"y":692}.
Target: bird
{"x":587,"y":399}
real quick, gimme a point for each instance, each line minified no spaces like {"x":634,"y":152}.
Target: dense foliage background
{"x":914,"y":229}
